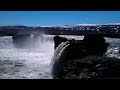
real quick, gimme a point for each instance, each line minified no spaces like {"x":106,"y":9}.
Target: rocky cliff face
{"x":91,"y":67}
{"x":84,"y":59}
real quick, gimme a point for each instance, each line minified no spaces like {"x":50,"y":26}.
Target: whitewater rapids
{"x":35,"y":62}
{"x":30,"y":63}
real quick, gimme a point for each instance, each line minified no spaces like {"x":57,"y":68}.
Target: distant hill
{"x":79,"y":29}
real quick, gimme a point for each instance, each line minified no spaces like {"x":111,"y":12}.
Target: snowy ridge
{"x":73,"y":25}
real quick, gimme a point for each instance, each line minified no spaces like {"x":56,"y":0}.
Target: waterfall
{"x":6,"y":42}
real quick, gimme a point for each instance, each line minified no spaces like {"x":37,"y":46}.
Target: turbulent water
{"x":30,"y":63}
{"x":34,"y":62}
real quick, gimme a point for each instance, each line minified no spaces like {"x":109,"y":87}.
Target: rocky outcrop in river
{"x":84,"y":59}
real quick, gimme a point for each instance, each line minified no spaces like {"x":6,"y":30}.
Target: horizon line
{"x":59,"y":25}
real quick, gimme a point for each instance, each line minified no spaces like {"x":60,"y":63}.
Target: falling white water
{"x":29,"y":63}
{"x":34,"y":62}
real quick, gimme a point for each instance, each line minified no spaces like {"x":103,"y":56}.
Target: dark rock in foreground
{"x":84,"y":59}
{"x":91,"y":67}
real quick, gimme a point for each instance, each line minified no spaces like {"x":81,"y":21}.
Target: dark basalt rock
{"x":90,"y":45}
{"x":95,"y":44}
{"x":58,"y":40}
{"x":78,"y":59}
{"x":91,"y":67}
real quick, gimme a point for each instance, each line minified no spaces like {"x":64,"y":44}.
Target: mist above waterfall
{"x":6,"y":42}
{"x":42,"y":43}
{"x":30,"y":62}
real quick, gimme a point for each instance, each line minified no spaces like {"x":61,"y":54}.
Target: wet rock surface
{"x":91,"y":67}
{"x":85,"y":59}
